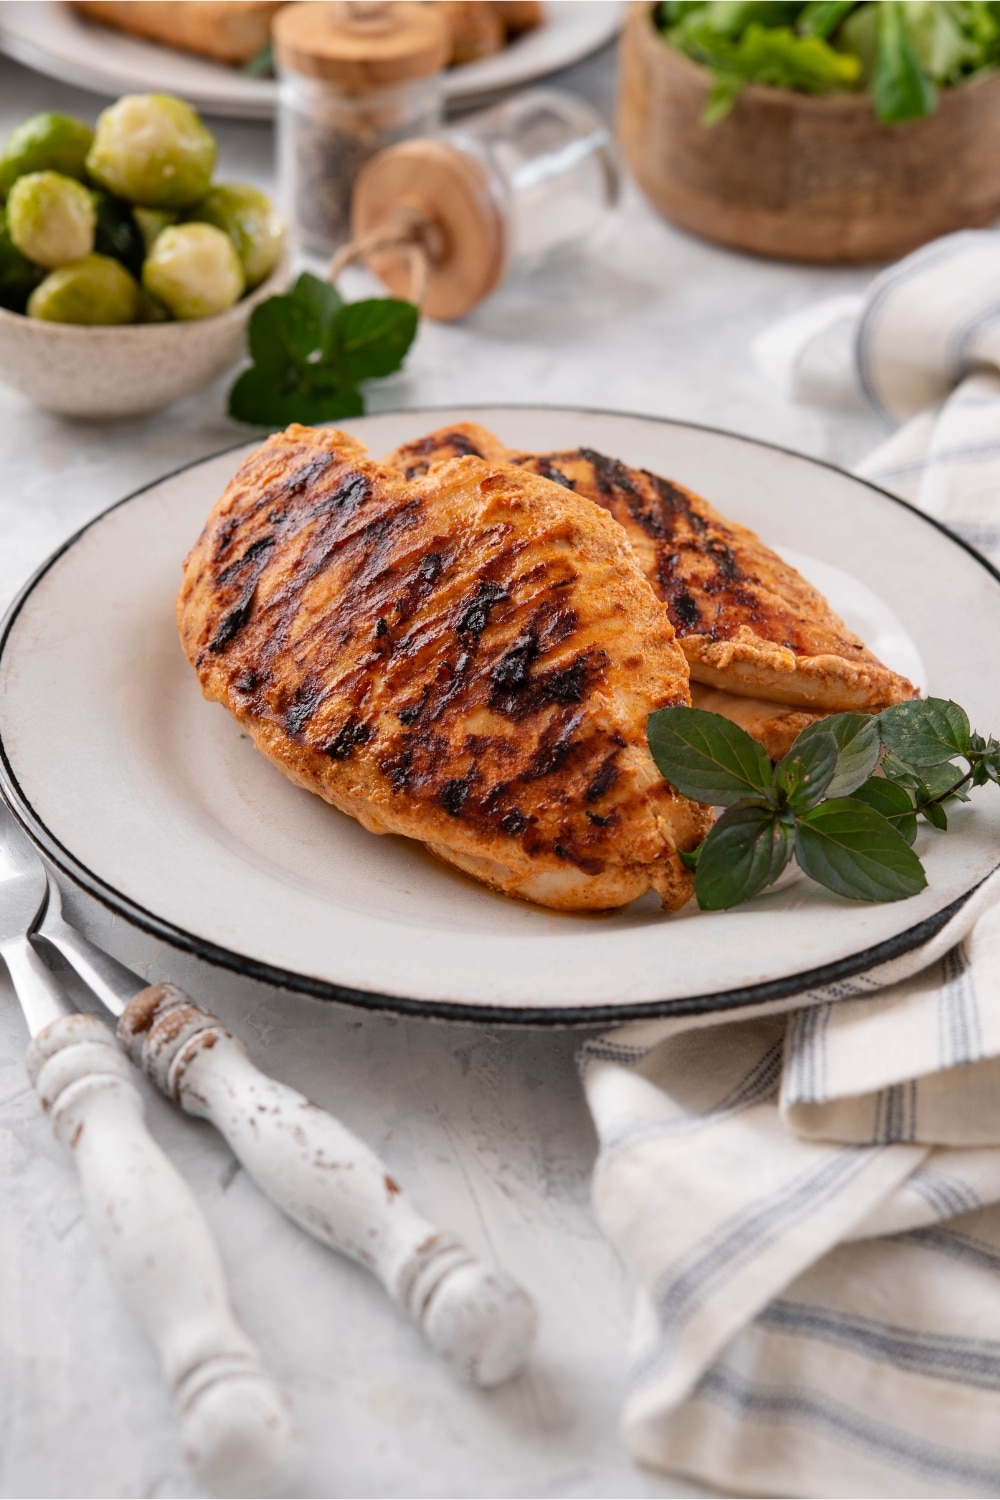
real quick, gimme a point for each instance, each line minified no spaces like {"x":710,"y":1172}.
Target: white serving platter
{"x":55,"y":40}
{"x":157,"y":803}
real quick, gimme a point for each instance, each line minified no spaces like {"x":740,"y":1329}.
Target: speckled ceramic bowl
{"x":123,"y":371}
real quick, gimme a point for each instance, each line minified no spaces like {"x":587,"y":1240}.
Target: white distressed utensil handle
{"x":236,"y":1424}
{"x":331,"y":1184}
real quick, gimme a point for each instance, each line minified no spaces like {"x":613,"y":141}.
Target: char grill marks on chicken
{"x":747,"y":621}
{"x":467,"y":658}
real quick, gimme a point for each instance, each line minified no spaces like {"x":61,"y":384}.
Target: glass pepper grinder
{"x":354,"y":76}
{"x":498,"y":192}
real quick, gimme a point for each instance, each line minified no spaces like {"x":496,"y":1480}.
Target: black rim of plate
{"x":549,"y":1016}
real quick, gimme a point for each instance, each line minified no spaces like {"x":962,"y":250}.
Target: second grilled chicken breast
{"x":748,"y":623}
{"x":467,"y":658}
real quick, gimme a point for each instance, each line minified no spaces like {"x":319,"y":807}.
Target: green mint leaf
{"x":261,"y":400}
{"x":370,"y":339}
{"x":935,"y":814}
{"x":893,"y":801}
{"x":858,"y":745}
{"x":805,"y":773}
{"x":925,"y":732}
{"x":851,"y":849}
{"x":746,"y":850}
{"x":987,"y":767}
{"x":896,"y":771}
{"x":706,"y":757}
{"x":282,"y":335}
{"x":900,"y":88}
{"x":321,"y":299}
{"x":938,"y":780}
{"x":689,"y":857}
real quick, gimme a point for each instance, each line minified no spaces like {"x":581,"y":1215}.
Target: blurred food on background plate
{"x":232,"y":31}
{"x":238,"y":31}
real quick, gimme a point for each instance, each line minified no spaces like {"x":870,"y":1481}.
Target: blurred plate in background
{"x":51,"y":38}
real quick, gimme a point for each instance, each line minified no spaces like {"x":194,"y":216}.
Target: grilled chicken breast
{"x":467,"y":658}
{"x":748,"y":623}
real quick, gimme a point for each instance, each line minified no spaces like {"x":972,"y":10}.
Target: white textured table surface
{"x":486,"y":1127}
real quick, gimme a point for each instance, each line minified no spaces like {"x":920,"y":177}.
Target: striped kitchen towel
{"x":809,"y":1196}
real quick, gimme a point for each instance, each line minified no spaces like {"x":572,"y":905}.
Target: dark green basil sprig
{"x":311,"y":350}
{"x":849,"y":829}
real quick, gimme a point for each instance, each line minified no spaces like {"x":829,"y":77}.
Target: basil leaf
{"x":746,"y":850}
{"x":896,"y":771}
{"x":900,"y":88}
{"x":805,"y":773}
{"x":926,"y":732}
{"x":282,"y":335}
{"x":935,"y":814}
{"x":858,"y":744}
{"x":893,"y":802}
{"x":261,"y":400}
{"x":937,"y":780}
{"x":707,"y":757}
{"x":371,"y":339}
{"x":321,"y":299}
{"x":850,"y":848}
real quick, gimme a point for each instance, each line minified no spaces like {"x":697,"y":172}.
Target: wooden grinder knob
{"x":433,"y":182}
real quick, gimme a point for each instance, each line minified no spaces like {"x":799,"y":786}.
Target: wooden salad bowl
{"x":801,"y":177}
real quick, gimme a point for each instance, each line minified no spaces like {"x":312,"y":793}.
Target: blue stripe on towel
{"x":772,"y":1404}
{"x":684,"y":1287}
{"x":964,"y":1361}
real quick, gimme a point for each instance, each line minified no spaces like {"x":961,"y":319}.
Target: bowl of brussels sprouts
{"x":127,"y":276}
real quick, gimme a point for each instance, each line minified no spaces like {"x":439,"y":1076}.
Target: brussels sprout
{"x":93,"y":290}
{"x":18,"y":277}
{"x":117,"y":232}
{"x":151,"y":221}
{"x":51,"y":218}
{"x":45,"y":143}
{"x":194,"y":269}
{"x":249,"y":218}
{"x":151,"y":309}
{"x":153,"y":150}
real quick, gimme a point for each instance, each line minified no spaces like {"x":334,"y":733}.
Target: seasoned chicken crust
{"x":748,"y":623}
{"x":467,"y":658}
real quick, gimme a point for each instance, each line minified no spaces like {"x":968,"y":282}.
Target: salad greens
{"x":901,"y":51}
{"x":823,"y":804}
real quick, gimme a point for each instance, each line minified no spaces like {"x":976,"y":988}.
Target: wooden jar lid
{"x":361,"y":44}
{"x":452,"y":191}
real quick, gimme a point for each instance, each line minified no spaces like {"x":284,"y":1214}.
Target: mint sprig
{"x":849,"y":828}
{"x":311,"y":351}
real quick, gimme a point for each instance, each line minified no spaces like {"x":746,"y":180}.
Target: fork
{"x":314,"y":1169}
{"x":236,"y":1424}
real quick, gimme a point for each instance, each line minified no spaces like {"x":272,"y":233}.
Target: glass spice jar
{"x":354,"y":76}
{"x":497,"y":193}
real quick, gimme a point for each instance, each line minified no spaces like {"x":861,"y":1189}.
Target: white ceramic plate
{"x":156,"y":801}
{"x":53,"y":39}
